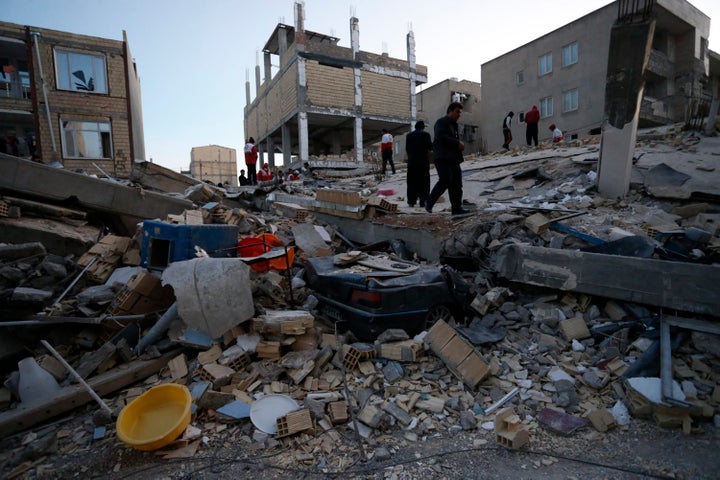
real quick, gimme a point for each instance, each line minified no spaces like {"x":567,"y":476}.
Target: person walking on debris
{"x":507,"y":133}
{"x":251,"y":156}
{"x":386,"y":149}
{"x":531,"y":121}
{"x":418,"y":146}
{"x":557,"y":134}
{"x":242,"y":179}
{"x":447,"y":153}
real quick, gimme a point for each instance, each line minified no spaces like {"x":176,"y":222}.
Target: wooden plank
{"x":682,"y":286}
{"x":74,"y":396}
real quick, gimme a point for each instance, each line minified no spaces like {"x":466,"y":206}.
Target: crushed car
{"x":375,"y":293}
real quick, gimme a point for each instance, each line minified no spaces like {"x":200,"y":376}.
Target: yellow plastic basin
{"x":156,"y":418}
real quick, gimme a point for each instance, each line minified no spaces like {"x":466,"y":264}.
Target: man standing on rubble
{"x":251,"y":156}
{"x":507,"y":132}
{"x":418,"y":146}
{"x":386,"y":149}
{"x":531,"y":121}
{"x":447,"y":152}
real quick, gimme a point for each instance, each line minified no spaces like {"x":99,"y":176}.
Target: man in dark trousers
{"x":447,"y":153}
{"x":418,"y":146}
{"x":507,"y":132}
{"x":531,"y":121}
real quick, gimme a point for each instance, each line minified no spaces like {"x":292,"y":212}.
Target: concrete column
{"x":286,"y":144}
{"x":282,"y":43}
{"x":257,"y":80}
{"x":303,"y":136}
{"x":270,"y":151}
{"x":712,"y":114}
{"x":629,"y":53}
{"x":261,"y":154}
{"x":268,"y":68}
{"x":247,"y":87}
{"x":357,"y":85}
{"x":413,"y":77}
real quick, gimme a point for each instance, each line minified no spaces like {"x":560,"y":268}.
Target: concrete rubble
{"x":530,"y":355}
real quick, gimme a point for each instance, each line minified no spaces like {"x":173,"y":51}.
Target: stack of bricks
{"x":108,"y":251}
{"x":144,"y":293}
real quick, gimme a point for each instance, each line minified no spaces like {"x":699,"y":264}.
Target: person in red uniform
{"x":265,"y":173}
{"x":386,"y":149}
{"x":251,"y":156}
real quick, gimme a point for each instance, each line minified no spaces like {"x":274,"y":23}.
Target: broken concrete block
{"x":210,"y":356}
{"x":433,"y":404}
{"x":401,"y":415}
{"x":405,"y":351}
{"x":537,"y":223}
{"x":392,"y":335}
{"x":338,"y":412}
{"x":602,"y":419}
{"x":370,"y":415}
{"x":509,"y":431}
{"x":574,"y":328}
{"x":285,"y":322}
{"x":294,"y":422}
{"x":178,"y":367}
{"x":560,"y":422}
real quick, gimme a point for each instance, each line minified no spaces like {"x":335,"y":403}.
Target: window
{"x":80,"y":72}
{"x":520,"y":77}
{"x":570,"y":100}
{"x":569,"y":54}
{"x":86,"y":139}
{"x":545,"y":64}
{"x":546,"y":107}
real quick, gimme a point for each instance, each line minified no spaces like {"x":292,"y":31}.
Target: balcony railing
{"x":17,"y":86}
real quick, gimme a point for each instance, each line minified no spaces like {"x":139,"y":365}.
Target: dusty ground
{"x":640,"y":450}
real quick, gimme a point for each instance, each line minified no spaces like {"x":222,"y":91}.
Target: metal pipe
{"x":158,"y":329}
{"x":35,"y":36}
{"x":77,"y":377}
{"x":72,"y":284}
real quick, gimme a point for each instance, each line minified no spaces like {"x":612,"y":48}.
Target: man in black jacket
{"x":418,"y":146}
{"x":447,"y":151}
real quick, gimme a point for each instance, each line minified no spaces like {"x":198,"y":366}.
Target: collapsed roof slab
{"x":682,"y":286}
{"x":365,"y":232}
{"x":43,"y":181}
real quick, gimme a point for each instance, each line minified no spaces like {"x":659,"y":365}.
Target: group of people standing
{"x":446,"y":152}
{"x":531,"y":128}
{"x":265,"y":174}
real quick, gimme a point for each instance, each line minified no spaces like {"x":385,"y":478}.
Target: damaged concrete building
{"x":564,"y":73}
{"x":326,"y":99}
{"x":70,"y":98}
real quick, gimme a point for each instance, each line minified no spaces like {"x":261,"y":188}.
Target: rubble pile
{"x":230,"y":316}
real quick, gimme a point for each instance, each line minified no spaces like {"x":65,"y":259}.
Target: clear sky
{"x":194,"y":56}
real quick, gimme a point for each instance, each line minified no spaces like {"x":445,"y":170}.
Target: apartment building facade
{"x":71,"y":99}
{"x":215,"y":164}
{"x":433,"y":102}
{"x":564,"y":74}
{"x":328,"y":99}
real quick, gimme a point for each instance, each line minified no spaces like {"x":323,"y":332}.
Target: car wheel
{"x":437,"y":312}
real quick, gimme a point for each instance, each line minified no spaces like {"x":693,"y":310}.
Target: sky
{"x":194,"y":57}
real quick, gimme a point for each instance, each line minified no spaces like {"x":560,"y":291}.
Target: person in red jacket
{"x":531,"y":121}
{"x":265,"y":173}
{"x":251,"y":156}
{"x":386,"y":149}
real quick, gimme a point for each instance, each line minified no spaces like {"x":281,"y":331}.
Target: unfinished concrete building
{"x":564,"y":74}
{"x":215,"y":164}
{"x":326,"y":99}
{"x":69,"y":98}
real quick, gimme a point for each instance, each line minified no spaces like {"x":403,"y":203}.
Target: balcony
{"x":660,"y":65}
{"x":15,"y":85}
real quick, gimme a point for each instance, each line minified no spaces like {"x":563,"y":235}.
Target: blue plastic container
{"x":165,"y":243}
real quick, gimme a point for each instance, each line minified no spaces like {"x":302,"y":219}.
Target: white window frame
{"x":546,"y":107}
{"x":520,"y":77}
{"x":545,"y":64}
{"x":97,"y":81}
{"x":570,"y":97}
{"x":570,"y":54}
{"x":88,"y":130}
